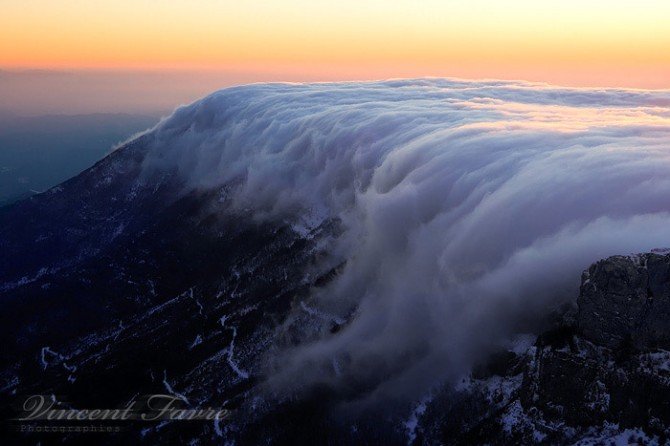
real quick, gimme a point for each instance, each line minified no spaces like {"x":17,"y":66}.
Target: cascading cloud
{"x":467,"y":206}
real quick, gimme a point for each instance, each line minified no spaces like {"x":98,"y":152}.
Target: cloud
{"x":467,"y":206}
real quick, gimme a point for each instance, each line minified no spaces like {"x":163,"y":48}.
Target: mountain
{"x":378,"y":263}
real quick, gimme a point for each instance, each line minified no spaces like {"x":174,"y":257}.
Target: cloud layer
{"x":467,"y":205}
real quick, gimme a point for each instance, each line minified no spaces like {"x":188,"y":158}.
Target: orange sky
{"x":569,"y":42}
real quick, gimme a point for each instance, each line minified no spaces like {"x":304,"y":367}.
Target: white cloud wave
{"x":468,"y":205}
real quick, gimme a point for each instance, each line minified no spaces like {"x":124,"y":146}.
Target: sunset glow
{"x":591,"y":42}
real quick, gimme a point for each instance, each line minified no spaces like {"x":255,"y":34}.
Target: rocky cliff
{"x":599,"y":375}
{"x":626,"y":301}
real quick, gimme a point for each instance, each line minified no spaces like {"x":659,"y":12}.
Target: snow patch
{"x":412,"y":422}
{"x":170,"y":390}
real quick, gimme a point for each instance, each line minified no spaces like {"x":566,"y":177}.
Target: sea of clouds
{"x":468,"y":207}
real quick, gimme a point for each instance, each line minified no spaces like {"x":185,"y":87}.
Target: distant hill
{"x":38,"y":152}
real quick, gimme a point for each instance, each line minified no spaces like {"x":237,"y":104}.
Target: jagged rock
{"x":596,"y":376}
{"x":602,"y":374}
{"x":625,"y":300}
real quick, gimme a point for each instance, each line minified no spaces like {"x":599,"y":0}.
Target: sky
{"x":181,"y":49}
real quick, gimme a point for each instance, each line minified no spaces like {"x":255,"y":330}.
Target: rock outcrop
{"x":626,"y":300}
{"x":600,"y":375}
